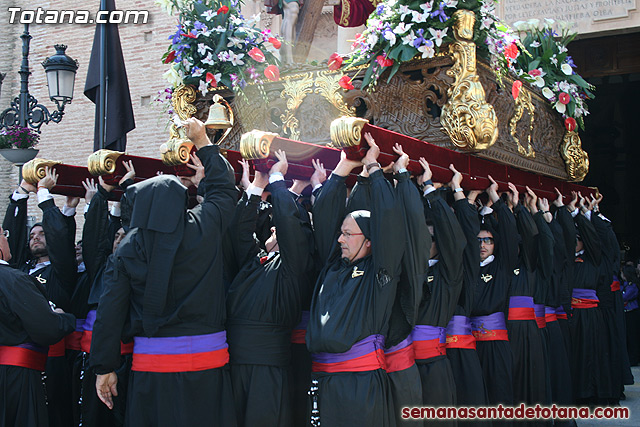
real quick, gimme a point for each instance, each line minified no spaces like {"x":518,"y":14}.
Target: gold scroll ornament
{"x":34,"y":170}
{"x":347,"y":131}
{"x":256,"y":144}
{"x":177,"y":149}
{"x":103,"y":162}
{"x":469,"y":120}
{"x":523,"y":102}
{"x":575,"y":158}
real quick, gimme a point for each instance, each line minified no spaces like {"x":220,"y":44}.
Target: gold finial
{"x":347,"y":131}
{"x":256,"y":144}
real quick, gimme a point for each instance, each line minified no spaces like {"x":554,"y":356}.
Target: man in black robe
{"x":164,"y":289}
{"x":28,"y":324}
{"x":353,"y":298}
{"x":263,"y":301}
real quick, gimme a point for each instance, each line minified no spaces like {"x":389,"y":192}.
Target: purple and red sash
{"x":73,"y":341}
{"x":521,"y":308}
{"x":561,"y":314}
{"x":429,"y":341}
{"x":540,"y":315}
{"x":550,"y":314}
{"x":300,"y":331}
{"x":490,"y":328}
{"x":460,"y":334}
{"x":25,"y":355}
{"x":584,"y":298}
{"x":615,"y":285}
{"x":365,"y":355}
{"x":58,"y":349}
{"x":87,"y":335}
{"x":401,"y":356}
{"x":180,"y":354}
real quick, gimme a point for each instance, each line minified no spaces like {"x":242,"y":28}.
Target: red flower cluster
{"x":564,"y":98}
{"x":256,"y":54}
{"x":515,"y":89}
{"x":272,"y":73}
{"x":335,"y":61}
{"x":511,"y":51}
{"x":170,"y":57}
{"x":384,"y":61}
{"x":570,"y":123}
{"x":275,"y":42}
{"x":345,"y":83}
{"x":211,"y":79}
{"x":223,"y":9}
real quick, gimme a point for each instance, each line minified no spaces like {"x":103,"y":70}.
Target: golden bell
{"x":218,"y":114}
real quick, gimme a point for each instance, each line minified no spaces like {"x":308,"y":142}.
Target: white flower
{"x":390,"y":36}
{"x":236,"y":59}
{"x":209,"y":15}
{"x":402,"y":28}
{"x":427,"y":7}
{"x":451,"y":3}
{"x":165,"y":5}
{"x":554,"y":59}
{"x":438,"y":35}
{"x":404,"y":10}
{"x":564,"y":86}
{"x":560,"y":107}
{"x":562,"y":48}
{"x":548,"y":22}
{"x":427,"y":50}
{"x":548,"y":93}
{"x":235,"y":20}
{"x":534,"y":23}
{"x":420,"y":17}
{"x":219,"y":29}
{"x":235,"y":42}
{"x":197,"y":72}
{"x":203,"y":88}
{"x":409,"y":38}
{"x":566,"y":68}
{"x":486,"y":23}
{"x":173,"y":77}
{"x":202,"y":48}
{"x":539,"y":81}
{"x":209,"y":59}
{"x":372,"y":39}
{"x":535,"y":44}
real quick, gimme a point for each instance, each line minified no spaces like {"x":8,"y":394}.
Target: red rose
{"x":535,"y":73}
{"x":345,"y":83}
{"x":335,"y":61}
{"x":564,"y":98}
{"x":170,"y":57}
{"x":223,"y":9}
{"x":272,"y":73}
{"x":515,"y":89}
{"x":256,"y":54}
{"x":275,"y":42}
{"x":511,"y":51}
{"x":384,"y":61}
{"x":570,"y":123}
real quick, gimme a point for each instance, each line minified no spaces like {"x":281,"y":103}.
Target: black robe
{"x":194,"y":302}
{"x":263,"y":306}
{"x":353,"y":301}
{"x":26,"y":317}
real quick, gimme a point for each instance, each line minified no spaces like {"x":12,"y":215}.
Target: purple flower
{"x":440,"y":13}
{"x":569,"y":60}
{"x":418,"y":41}
{"x":379,"y":9}
{"x":199,"y":26}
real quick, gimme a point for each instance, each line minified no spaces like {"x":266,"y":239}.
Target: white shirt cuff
{"x":575,"y":213}
{"x":316,"y":187}
{"x":588,"y":215}
{"x":276,"y":176}
{"x":44,"y":195}
{"x":254,"y":191}
{"x":403,"y":170}
{"x":68,"y":211}
{"x":429,"y":189}
{"x":18,"y":196}
{"x":486,"y":210}
{"x":115,"y":210}
{"x":294,"y":193}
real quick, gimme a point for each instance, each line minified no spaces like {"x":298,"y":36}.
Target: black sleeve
{"x":15,"y":220}
{"x":528,"y":231}
{"x":242,"y":228}
{"x":546,"y":243}
{"x":328,"y":213}
{"x":590,"y":238}
{"x":450,"y":241}
{"x":360,"y":197}
{"x":60,"y":248}
{"x":569,"y":232}
{"x":28,"y":302}
{"x":506,"y":243}
{"x":470,"y":223}
{"x":610,"y":248}
{"x":95,"y":234}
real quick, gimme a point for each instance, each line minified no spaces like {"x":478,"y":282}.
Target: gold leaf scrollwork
{"x":294,"y":92}
{"x":256,"y":144}
{"x":103,"y":162}
{"x":327,"y":85}
{"x":177,"y":151}
{"x":34,"y":170}
{"x":575,"y":158}
{"x":469,"y":120}
{"x":173,"y":151}
{"x":347,"y":131}
{"x":523,"y":102}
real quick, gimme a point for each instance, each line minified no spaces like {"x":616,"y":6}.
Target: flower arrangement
{"x":215,"y":46}
{"x":19,"y":137}
{"x":549,"y":67}
{"x":399,"y":30}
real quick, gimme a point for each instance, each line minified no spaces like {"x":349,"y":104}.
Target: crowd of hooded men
{"x":242,"y":312}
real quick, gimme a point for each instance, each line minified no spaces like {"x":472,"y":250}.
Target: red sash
{"x":521,"y":313}
{"x":615,"y":286}
{"x":23,"y":357}
{"x":426,"y":349}
{"x":584,"y":303}
{"x":400,"y":357}
{"x":58,"y":349}
{"x":85,"y":344}
{"x":461,"y":341}
{"x":365,"y":355}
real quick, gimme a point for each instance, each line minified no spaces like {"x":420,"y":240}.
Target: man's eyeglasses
{"x":487,"y":240}
{"x":5,"y":233}
{"x":347,"y":235}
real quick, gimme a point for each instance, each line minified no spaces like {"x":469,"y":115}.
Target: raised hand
{"x":196,"y":166}
{"x":244,"y":181}
{"x":456,"y":179}
{"x":492,"y":190}
{"x":281,"y":165}
{"x":403,"y":160}
{"x":558,"y":201}
{"x":543,"y":204}
{"x":90,"y":189}
{"x":372,"y":153}
{"x":427,"y":174}
{"x":196,"y":132}
{"x":532,"y":202}
{"x":30,"y":188}
{"x":319,"y":174}
{"x":107,"y":187}
{"x":131,"y":172}
{"x":574,"y":200}
{"x":513,"y":194}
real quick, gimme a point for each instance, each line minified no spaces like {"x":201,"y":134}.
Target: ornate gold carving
{"x":256,"y":144}
{"x":182,"y":99}
{"x":295,"y":90}
{"x":468,"y":119}
{"x":177,"y":151}
{"x":34,"y":170}
{"x":576,"y":159}
{"x":347,"y":131}
{"x":523,"y":102}
{"x":327,"y":85}
{"x":178,"y":144}
{"x":103,"y":162}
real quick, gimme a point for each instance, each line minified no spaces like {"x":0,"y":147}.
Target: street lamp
{"x":61,"y":74}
